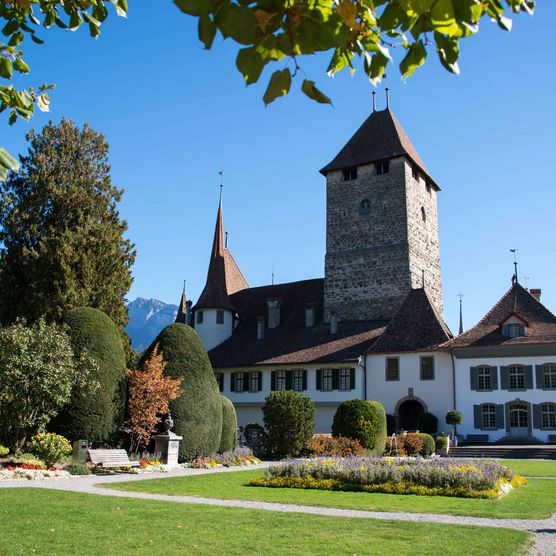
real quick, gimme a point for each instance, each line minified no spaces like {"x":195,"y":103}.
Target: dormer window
{"x":365,"y":207}
{"x":350,"y":174}
{"x":513,"y":330}
{"x":382,"y":167}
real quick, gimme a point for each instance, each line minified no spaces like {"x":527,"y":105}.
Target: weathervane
{"x":387,"y":91}
{"x":514,"y":251}
{"x":461,"y":296}
{"x":221,"y":174}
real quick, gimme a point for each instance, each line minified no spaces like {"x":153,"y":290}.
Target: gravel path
{"x":544,"y":529}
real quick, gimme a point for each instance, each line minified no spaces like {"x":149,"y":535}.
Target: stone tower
{"x":381,"y":224}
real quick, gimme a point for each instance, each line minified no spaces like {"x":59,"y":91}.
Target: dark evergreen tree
{"x":62,"y":237}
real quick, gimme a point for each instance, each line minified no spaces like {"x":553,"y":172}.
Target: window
{"x":350,"y":174}
{"x":549,"y":376}
{"x":219,"y":317}
{"x":517,"y":377}
{"x":488,"y":416}
{"x":365,"y":207}
{"x":513,"y":330}
{"x":382,"y":167}
{"x":254,"y":382}
{"x":427,"y":368}
{"x":392,"y":368}
{"x":423,"y":214}
{"x":199,"y":317}
{"x":220,"y":380}
{"x":483,"y":378}
{"x":345,"y":379}
{"x":548,"y":416}
{"x":326,"y":383}
{"x":238,"y":382}
{"x":281,"y":380}
{"x":519,"y":416}
{"x":415,"y":173}
{"x":297,"y":381}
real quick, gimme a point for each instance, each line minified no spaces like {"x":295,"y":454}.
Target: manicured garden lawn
{"x":536,"y":500}
{"x":58,"y":523}
{"x":531,"y":467}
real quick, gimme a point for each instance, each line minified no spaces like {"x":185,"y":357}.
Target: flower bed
{"x":237,"y":457}
{"x":465,"y":478}
{"x":31,"y":473}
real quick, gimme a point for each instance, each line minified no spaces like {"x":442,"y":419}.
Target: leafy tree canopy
{"x":62,"y":237}
{"x":365,"y":30}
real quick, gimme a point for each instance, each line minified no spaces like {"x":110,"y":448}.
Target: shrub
{"x":414,"y":444}
{"x":49,"y":447}
{"x":390,"y":424}
{"x":77,"y":469}
{"x":428,"y":423}
{"x":454,"y":418}
{"x":97,"y":416}
{"x":197,"y":411}
{"x":395,"y":446}
{"x":441,"y":445}
{"x":228,"y":438}
{"x":3,"y":451}
{"x":326,"y":445}
{"x":289,"y":419}
{"x":364,"y":421}
{"x":428,"y":445}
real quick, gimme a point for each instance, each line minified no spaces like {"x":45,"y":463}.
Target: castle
{"x":373,"y":327}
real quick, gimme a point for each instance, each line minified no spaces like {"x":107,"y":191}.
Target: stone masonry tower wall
{"x":381,"y":234}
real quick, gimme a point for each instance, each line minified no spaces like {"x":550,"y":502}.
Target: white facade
{"x":214,"y":326}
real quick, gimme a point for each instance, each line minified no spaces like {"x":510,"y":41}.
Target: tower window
{"x":199,"y":317}
{"x":219,"y":317}
{"x":423,"y":214}
{"x":365,"y":206}
{"x":382,"y":167}
{"x":350,"y":174}
{"x":415,"y":173}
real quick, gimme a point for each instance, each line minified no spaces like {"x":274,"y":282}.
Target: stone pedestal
{"x":167,"y":445}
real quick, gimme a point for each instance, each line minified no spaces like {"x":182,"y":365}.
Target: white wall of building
{"x":210,"y":332}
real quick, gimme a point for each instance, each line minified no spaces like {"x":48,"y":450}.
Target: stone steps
{"x":504,"y":452}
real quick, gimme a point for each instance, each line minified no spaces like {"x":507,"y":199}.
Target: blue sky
{"x":175,"y":115}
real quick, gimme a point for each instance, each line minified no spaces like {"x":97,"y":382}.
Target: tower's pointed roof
{"x":224,"y":276}
{"x":380,"y":137}
{"x":416,"y":326}
{"x":182,"y":309}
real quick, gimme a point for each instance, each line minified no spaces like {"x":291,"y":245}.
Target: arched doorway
{"x":408,"y":414}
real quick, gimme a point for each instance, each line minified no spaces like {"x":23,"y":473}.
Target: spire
{"x":182,"y":309}
{"x":460,"y":295}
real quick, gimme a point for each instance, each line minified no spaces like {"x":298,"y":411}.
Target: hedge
{"x":429,"y":446}
{"x":228,"y":438}
{"x":95,"y":416}
{"x":197,"y":412}
{"x":364,"y":421}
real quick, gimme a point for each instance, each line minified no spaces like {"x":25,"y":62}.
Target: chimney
{"x":536,"y":293}
{"x":333,"y":324}
{"x":260,"y":328}
{"x":273,"y":312}
{"x":309,"y":316}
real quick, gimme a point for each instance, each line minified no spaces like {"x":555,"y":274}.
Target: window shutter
{"x":536,"y":416}
{"x":494,"y":378}
{"x":246,"y":380}
{"x":260,"y":381}
{"x":273,"y":380}
{"x":505,"y":331}
{"x":528,"y":377}
{"x":522,"y":330}
{"x":233,"y":382}
{"x":504,"y":377}
{"x":305,"y":379}
{"x":289,"y":375}
{"x":500,"y":416}
{"x":539,"y":371}
{"x":335,"y":379}
{"x":473,"y":377}
{"x":477,"y":417}
{"x":352,"y":379}
{"x":319,"y":379}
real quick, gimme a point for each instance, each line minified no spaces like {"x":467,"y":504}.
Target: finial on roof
{"x":221,"y":174}
{"x":460,"y":295}
{"x":387,"y":92}
{"x":423,"y":278}
{"x":515,"y":279}
{"x":225,"y":240}
{"x":374,"y":101}
{"x":273,"y":274}
{"x":184,"y":285}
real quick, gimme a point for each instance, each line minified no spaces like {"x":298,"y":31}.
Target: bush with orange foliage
{"x":326,"y":445}
{"x":150,"y":393}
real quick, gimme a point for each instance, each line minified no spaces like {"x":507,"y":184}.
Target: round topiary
{"x":364,"y":421}
{"x":95,"y":415}
{"x":197,"y":412}
{"x":429,"y":446}
{"x":289,"y":419}
{"x":428,"y":423}
{"x":228,"y":439}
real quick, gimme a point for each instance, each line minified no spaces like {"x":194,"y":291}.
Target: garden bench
{"x":111,"y":458}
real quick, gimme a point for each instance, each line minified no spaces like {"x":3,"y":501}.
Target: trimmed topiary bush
{"x":228,"y":438}
{"x":390,"y":424}
{"x":428,"y":423}
{"x":442,"y":445}
{"x":428,"y":444}
{"x":289,"y":419}
{"x":364,"y":421}
{"x":197,"y":412}
{"x":95,"y":415}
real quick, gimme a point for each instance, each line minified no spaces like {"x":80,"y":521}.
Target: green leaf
{"x":207,"y":31}
{"x":278,"y":86}
{"x":414,"y":58}
{"x":312,"y":92}
{"x":443,"y":17}
{"x":194,"y":7}
{"x":250,"y":63}
{"x":6,"y":69}
{"x":7,"y":162}
{"x":377,"y":67}
{"x":21,"y":66}
{"x":241,"y":25}
{"x":43,"y":102}
{"x":75,"y":21}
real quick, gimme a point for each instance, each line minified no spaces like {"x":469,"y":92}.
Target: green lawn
{"x":59,"y":523}
{"x":531,"y":467}
{"x":535,"y":500}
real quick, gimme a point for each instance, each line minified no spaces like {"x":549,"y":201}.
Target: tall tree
{"x":62,"y":237}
